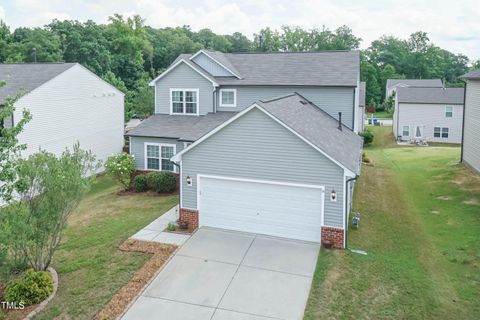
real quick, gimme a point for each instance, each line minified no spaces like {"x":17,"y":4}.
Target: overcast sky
{"x":453,"y":25}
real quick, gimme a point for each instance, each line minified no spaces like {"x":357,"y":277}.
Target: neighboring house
{"x":471,"y":126}
{"x":393,"y":84}
{"x":200,"y":93}
{"x":68,"y":103}
{"x":428,"y":114}
{"x":362,"y":116}
{"x":280,"y":167}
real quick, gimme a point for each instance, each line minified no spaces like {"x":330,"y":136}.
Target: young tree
{"x":9,"y":146}
{"x":49,"y":190}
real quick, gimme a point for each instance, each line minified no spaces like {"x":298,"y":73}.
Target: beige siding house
{"x":428,"y":114}
{"x":471,"y":137}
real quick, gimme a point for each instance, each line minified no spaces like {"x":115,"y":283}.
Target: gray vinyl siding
{"x":137,"y":148}
{"x":430,"y":116}
{"x":255,"y":146}
{"x":471,"y":142}
{"x":331,"y":99}
{"x":211,"y":66}
{"x":183,"y":77}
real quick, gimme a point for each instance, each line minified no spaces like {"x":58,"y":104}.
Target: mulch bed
{"x":122,"y":299}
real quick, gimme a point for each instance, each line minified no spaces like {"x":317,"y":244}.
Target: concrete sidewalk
{"x":155,"y":230}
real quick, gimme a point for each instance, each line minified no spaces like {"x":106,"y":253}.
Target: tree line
{"x":128,"y":53}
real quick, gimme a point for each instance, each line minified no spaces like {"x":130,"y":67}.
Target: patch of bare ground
{"x":472,"y":202}
{"x":122,"y":299}
{"x":445,"y":198}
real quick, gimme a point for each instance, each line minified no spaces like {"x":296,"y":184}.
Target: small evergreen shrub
{"x":162,"y":181}
{"x":32,"y":288}
{"x":171,"y":227}
{"x":367,"y":137}
{"x":140,"y":183}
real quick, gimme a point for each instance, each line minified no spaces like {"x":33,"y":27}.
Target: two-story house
{"x":471,"y":123}
{"x":68,"y":104}
{"x":263,"y":142}
{"x":393,"y":84}
{"x":428,"y":114}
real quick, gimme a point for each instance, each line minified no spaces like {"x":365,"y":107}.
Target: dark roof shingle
{"x":185,"y":128}
{"x":475,"y":74}
{"x":318,"y":127}
{"x":28,"y":76}
{"x":430,"y":95}
{"x":430,"y":83}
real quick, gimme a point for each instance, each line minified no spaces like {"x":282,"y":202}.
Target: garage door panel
{"x":267,"y":208}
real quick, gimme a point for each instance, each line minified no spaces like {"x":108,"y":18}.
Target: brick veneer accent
{"x":191,"y":217}
{"x":333,"y":234}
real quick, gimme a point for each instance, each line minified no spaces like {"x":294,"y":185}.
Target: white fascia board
{"x":152,"y":83}
{"x":216,"y":61}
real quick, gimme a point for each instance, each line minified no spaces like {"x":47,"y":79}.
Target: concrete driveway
{"x":220,"y":275}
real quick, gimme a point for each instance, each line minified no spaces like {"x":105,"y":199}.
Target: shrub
{"x":120,"y":167}
{"x":171,"y":227}
{"x":32,"y":288}
{"x":365,"y":158}
{"x":140,"y":183}
{"x":367,"y":137}
{"x":162,"y":181}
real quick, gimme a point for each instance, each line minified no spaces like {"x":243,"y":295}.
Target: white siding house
{"x":471,"y":137}
{"x":428,"y":114}
{"x":68,"y":103}
{"x":393,"y":84}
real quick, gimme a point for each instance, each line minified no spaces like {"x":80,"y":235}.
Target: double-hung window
{"x":157,"y":156}
{"x":228,"y":97}
{"x":448,"y":112}
{"x":184,"y":101}
{"x":439,"y":132}
{"x":406,"y":131}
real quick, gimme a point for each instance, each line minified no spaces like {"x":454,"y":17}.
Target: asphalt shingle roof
{"x":322,"y":68}
{"x":28,"y":76}
{"x":185,"y":128}
{"x":431,"y":83}
{"x":318,"y":127}
{"x":475,"y":74}
{"x":430,"y":95}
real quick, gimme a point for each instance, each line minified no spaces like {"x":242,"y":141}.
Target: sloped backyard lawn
{"x":90,"y":266}
{"x":420,"y":225}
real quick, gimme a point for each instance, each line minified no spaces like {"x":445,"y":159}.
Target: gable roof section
{"x":194,"y":66}
{"x":428,"y":83}
{"x":472,"y":75}
{"x":28,"y":76}
{"x":321,"y":68}
{"x":309,"y":123}
{"x":430,"y":95}
{"x":220,"y":59}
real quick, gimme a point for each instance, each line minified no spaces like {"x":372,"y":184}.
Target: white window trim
{"x":160,"y":145}
{"x":448,"y":133}
{"x":447,"y":111}
{"x":403,"y":130}
{"x":184,"y":106}
{"x":234,"y":98}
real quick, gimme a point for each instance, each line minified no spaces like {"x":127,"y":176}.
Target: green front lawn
{"x":90,"y":266}
{"x":381,"y":115}
{"x":420,"y":225}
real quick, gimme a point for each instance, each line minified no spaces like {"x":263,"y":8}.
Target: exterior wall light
{"x":189,"y":181}
{"x":333,"y":196}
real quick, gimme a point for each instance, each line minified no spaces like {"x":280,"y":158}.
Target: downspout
{"x":347,"y":182}
{"x":463,"y":121}
{"x":398,"y":118}
{"x":214,"y":97}
{"x":177,"y":214}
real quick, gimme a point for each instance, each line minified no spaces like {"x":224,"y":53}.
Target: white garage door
{"x":272,"y":208}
